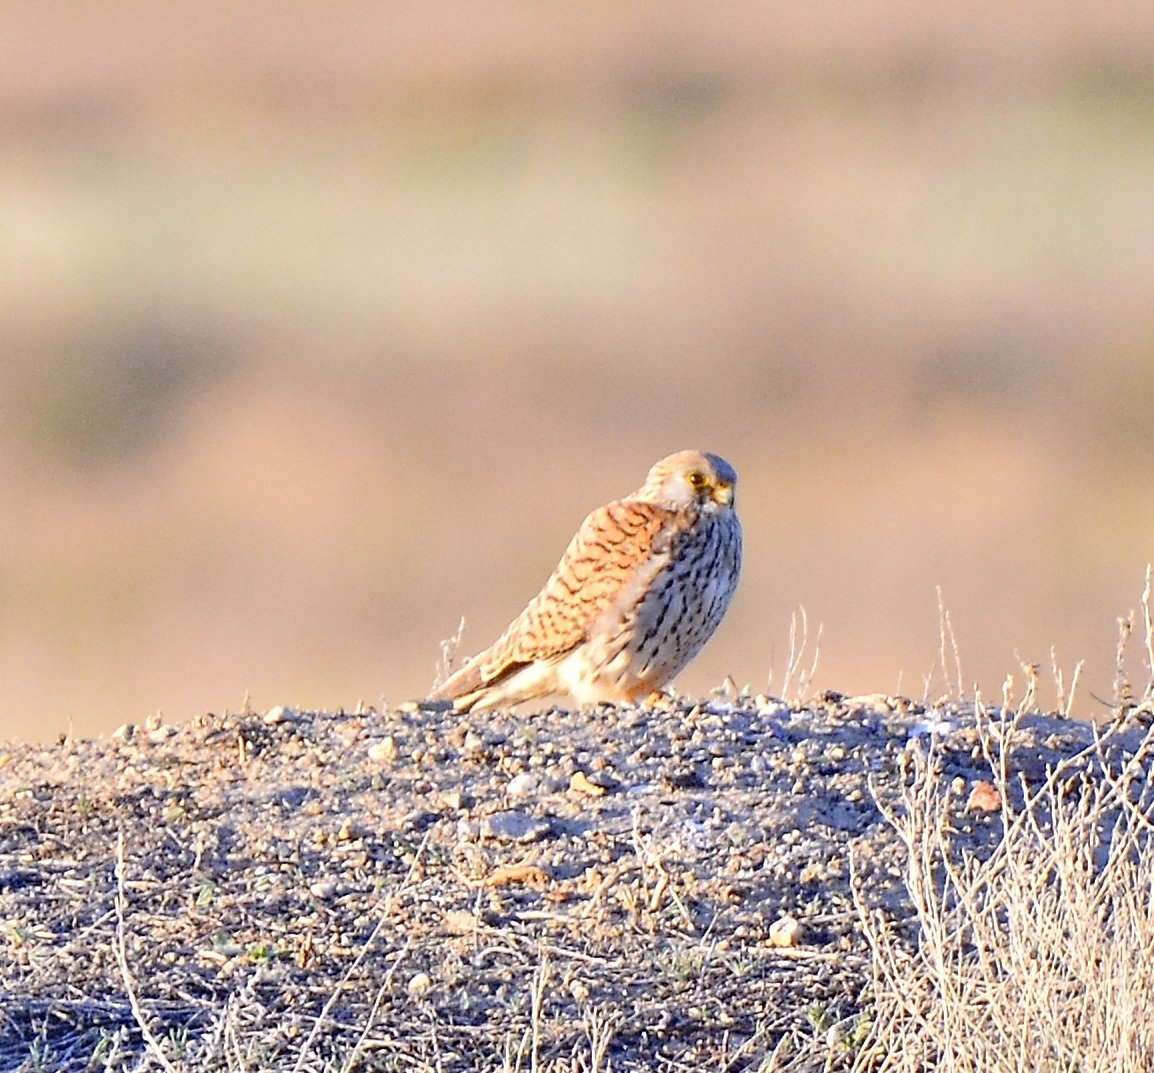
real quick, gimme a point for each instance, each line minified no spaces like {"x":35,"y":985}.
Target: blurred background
{"x":323,"y":326}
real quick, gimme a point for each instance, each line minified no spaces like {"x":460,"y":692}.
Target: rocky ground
{"x":667,"y":888}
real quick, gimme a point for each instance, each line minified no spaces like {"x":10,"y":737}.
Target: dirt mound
{"x":621,"y":888}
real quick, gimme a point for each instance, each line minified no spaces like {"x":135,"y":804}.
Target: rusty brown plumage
{"x":639,"y":590}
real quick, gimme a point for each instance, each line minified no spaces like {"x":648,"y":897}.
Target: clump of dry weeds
{"x":1038,"y":955}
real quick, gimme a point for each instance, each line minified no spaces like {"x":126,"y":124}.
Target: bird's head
{"x":691,"y":478}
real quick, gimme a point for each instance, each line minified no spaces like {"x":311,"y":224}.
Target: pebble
{"x":786,"y":931}
{"x":984,"y":797}
{"x":524,"y":785}
{"x":384,"y":751}
{"x":460,"y":921}
{"x":419,"y":984}
{"x":453,"y":800}
{"x":512,"y":826}
{"x":425,"y":706}
{"x":581,"y":784}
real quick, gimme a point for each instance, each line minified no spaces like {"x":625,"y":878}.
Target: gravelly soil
{"x":619,"y":888}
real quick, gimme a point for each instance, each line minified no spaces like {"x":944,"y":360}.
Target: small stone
{"x":786,"y":931}
{"x":812,"y":872}
{"x":524,"y":785}
{"x":419,"y":819}
{"x":384,"y":751}
{"x":517,"y":874}
{"x":514,"y":827}
{"x":460,"y":922}
{"x":879,"y":703}
{"x":323,"y":889}
{"x":124,"y":732}
{"x":984,"y":797}
{"x":426,"y":706}
{"x":420,"y":984}
{"x":453,"y":800}
{"x":279,"y":714}
{"x":554,"y":781}
{"x":581,"y":784}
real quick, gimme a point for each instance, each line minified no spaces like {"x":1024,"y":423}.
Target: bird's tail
{"x":460,"y":684}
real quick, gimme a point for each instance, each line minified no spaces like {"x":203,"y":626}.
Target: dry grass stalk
{"x":946,"y":634}
{"x":1123,"y":694}
{"x":1148,"y":623}
{"x":155,"y":1050}
{"x":1041,"y":955}
{"x":797,"y":677}
{"x":1065,"y":697}
{"x":450,"y":646}
{"x":1124,"y":703}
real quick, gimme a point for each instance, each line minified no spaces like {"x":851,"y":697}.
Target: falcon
{"x":641,"y":587}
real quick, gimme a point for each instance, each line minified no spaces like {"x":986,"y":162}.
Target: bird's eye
{"x":696,"y":478}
